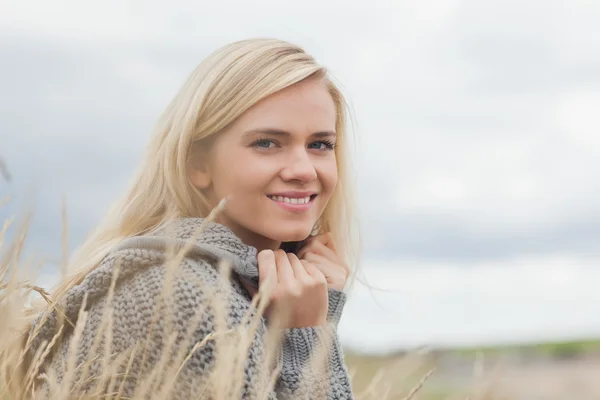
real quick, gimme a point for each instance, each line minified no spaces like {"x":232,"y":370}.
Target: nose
{"x":299,"y":167}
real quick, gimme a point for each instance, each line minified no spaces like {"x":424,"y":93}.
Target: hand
{"x":296,"y":289}
{"x":321,"y":252}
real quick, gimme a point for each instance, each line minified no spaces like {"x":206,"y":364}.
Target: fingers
{"x":322,"y":264}
{"x":326,"y":239}
{"x":297,"y":267}
{"x":266,"y":267}
{"x":336,"y":277}
{"x":280,"y":267}
{"x":299,"y":297}
{"x":319,"y":248}
{"x":313,"y":271}
{"x":325,"y":256}
{"x":284,"y":268}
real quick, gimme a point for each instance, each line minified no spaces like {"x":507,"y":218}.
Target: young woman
{"x":261,"y":124}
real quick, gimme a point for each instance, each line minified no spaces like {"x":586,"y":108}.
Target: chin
{"x":291,"y":235}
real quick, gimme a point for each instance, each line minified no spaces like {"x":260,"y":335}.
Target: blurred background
{"x":477,"y":152}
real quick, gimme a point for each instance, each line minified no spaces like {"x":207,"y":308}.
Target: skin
{"x":248,"y":166}
{"x":247,"y":162}
{"x":321,"y":252}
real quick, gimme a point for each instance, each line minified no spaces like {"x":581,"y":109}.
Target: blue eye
{"x":263,"y":143}
{"x":326,"y":145}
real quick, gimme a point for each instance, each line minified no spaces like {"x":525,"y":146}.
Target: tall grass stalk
{"x":25,"y":376}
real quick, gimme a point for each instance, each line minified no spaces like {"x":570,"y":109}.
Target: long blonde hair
{"x":218,"y":91}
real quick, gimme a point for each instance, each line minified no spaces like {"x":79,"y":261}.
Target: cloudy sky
{"x":478,"y":139}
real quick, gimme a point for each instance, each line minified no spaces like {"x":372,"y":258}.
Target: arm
{"x":336,"y":302}
{"x":178,"y":343}
{"x":313,"y":361}
{"x":217,"y":357}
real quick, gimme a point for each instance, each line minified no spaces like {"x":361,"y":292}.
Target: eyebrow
{"x":280,"y":132}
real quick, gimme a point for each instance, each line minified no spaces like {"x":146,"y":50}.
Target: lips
{"x":293,"y":200}
{"x":294,"y":204}
{"x":294,"y":194}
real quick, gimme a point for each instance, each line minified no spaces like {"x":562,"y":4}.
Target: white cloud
{"x":478,"y":140}
{"x":578,"y":117}
{"x":469,"y":303}
{"x":463,"y":123}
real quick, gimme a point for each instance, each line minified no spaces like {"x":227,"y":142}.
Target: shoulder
{"x":154,"y":272}
{"x":149,"y":276}
{"x":181,"y":293}
{"x":141,"y":287}
{"x":150,"y":267}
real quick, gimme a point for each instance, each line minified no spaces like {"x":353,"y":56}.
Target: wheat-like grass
{"x":22,"y":375}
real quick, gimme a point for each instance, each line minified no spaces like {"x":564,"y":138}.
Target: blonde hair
{"x":218,"y":91}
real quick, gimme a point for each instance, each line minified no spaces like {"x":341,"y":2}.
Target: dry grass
{"x":25,"y":373}
{"x":21,"y":376}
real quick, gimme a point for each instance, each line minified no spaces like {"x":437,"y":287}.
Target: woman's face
{"x":277,"y":163}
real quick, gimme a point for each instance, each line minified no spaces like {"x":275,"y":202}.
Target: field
{"x":562,"y":370}
{"x":549,"y":371}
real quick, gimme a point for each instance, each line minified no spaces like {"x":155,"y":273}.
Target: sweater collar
{"x":213,"y":240}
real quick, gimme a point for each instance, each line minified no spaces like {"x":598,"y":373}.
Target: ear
{"x":197,"y":169}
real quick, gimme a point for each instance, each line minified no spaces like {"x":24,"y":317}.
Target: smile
{"x":291,"y":200}
{"x":296,"y":204}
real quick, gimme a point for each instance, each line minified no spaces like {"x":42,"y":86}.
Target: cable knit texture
{"x":142,"y":314}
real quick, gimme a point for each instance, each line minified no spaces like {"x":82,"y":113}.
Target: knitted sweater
{"x":184,"y":320}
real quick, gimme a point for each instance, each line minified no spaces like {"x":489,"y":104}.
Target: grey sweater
{"x":185,"y":320}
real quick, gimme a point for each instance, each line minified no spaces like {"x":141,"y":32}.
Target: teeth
{"x":292,"y":200}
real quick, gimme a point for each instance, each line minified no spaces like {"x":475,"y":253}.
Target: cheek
{"x":329,"y":176}
{"x":246,"y":176}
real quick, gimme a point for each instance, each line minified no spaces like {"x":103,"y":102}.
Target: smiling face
{"x":277,"y":163}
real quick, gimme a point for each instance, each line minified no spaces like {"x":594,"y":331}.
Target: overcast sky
{"x":478,"y":131}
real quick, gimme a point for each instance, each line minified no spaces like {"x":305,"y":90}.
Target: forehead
{"x":302,"y":108}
